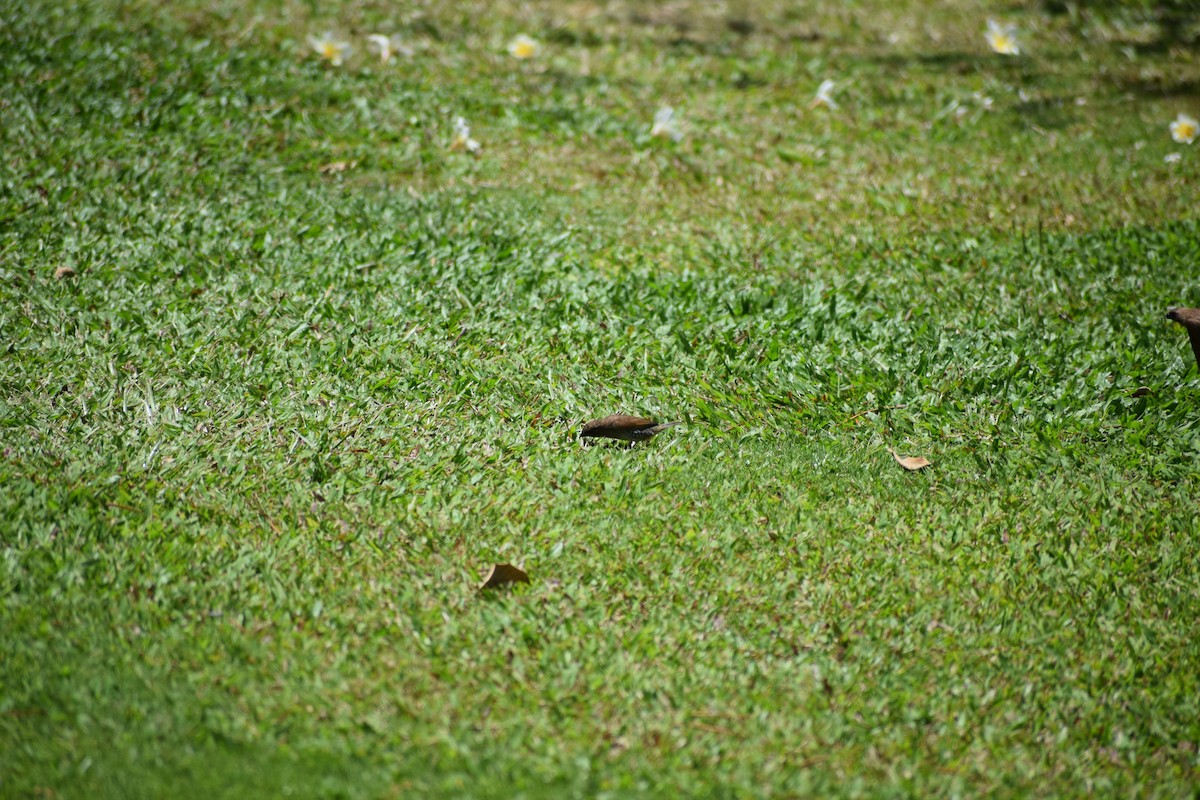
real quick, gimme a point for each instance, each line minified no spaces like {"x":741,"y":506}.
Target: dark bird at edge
{"x":1190,"y":319}
{"x":625,"y":428}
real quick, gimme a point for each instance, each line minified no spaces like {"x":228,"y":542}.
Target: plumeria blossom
{"x":462,"y":137}
{"x":824,"y":96}
{"x":1002,"y":38}
{"x":665,"y":125}
{"x":330,"y":49}
{"x":523,"y":47}
{"x":1184,"y":129}
{"x":388,"y":46}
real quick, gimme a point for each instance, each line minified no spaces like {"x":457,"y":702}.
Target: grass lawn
{"x":283,"y":375}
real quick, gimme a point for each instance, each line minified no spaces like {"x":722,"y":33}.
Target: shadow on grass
{"x":1160,"y":87}
{"x":1048,"y":113}
{"x":961,"y":62}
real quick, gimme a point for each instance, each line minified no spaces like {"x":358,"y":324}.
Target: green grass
{"x":257,"y":454}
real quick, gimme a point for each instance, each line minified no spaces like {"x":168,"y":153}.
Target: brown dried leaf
{"x":502,"y":575}
{"x":64,"y":272}
{"x":910,"y":463}
{"x":336,"y":166}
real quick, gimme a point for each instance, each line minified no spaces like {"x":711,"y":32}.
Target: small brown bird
{"x":625,"y":428}
{"x":1190,"y":319}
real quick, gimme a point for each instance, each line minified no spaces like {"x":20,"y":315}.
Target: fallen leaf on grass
{"x":64,"y":272}
{"x":502,"y":575}
{"x":334,"y":167}
{"x":910,"y":463}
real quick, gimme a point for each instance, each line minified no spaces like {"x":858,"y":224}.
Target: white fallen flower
{"x":665,"y":125}
{"x":523,"y":47}
{"x":1173,"y":158}
{"x":824,"y":96}
{"x":1184,"y":129}
{"x":330,"y":49}
{"x":1002,"y":38}
{"x":389,"y":46}
{"x":462,"y":137}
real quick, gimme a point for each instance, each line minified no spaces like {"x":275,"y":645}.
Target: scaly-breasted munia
{"x":1190,"y":319}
